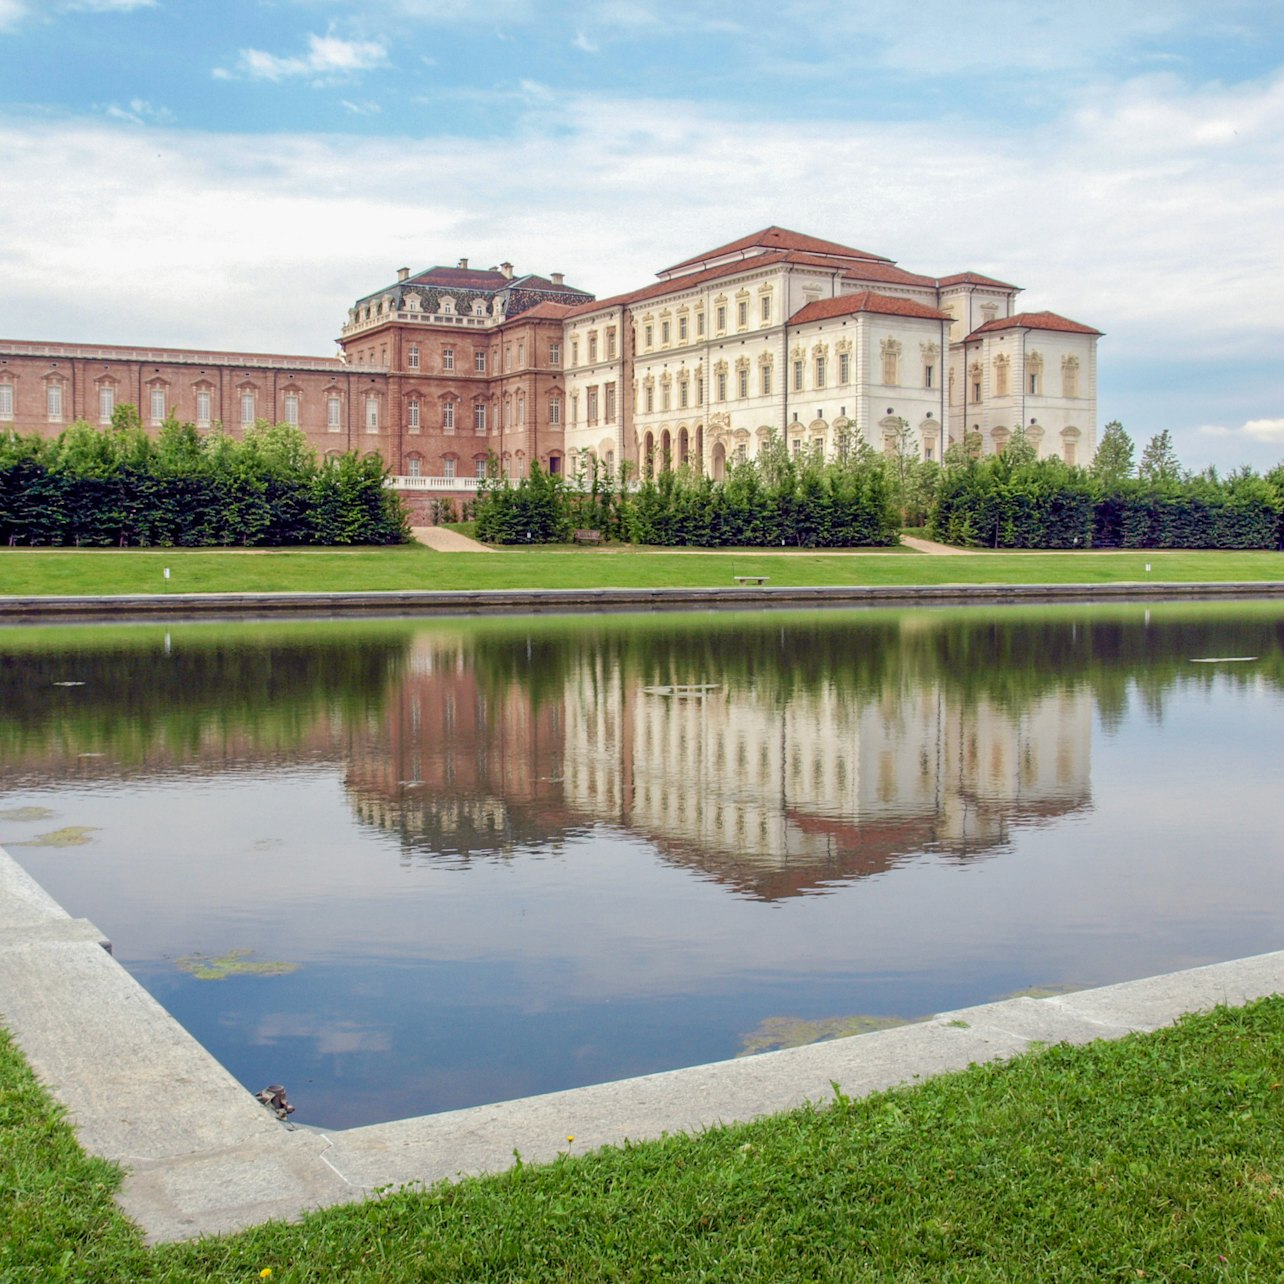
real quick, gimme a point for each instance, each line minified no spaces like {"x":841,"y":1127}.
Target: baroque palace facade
{"x":776,"y":333}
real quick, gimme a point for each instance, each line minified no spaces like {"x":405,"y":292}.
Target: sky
{"x":233,"y":174}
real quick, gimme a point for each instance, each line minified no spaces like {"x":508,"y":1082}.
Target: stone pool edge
{"x":17,"y":609}
{"x":202,"y":1157}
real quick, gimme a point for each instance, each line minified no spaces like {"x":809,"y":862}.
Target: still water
{"x":405,"y":866}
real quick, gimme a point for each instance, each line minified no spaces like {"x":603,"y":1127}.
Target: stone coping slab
{"x":203,"y":1157}
{"x":481,"y":601}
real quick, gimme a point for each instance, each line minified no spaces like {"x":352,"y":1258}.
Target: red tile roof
{"x":459,"y":278}
{"x":887,"y":274}
{"x":776,"y":238}
{"x":865,"y":301}
{"x":545,"y":312}
{"x":1034,"y":321}
{"x":975,"y":278}
{"x":682,"y":283}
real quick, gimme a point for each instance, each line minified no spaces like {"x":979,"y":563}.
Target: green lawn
{"x":1158,"y":1157}
{"x":41,"y":572}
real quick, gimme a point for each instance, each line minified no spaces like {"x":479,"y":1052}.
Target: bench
{"x":751,"y":579}
{"x":587,"y":537}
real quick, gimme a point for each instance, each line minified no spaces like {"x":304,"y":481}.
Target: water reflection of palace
{"x":772,"y":794}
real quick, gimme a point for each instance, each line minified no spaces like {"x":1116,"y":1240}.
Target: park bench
{"x":588,"y":537}
{"x":751,"y":579}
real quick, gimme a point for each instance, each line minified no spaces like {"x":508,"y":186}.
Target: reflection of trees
{"x":156,"y":695}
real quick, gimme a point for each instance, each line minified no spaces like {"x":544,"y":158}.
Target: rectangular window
{"x":156,"y":405}
{"x":508,"y":356}
{"x":700,"y":391}
{"x":798,"y":376}
{"x":591,"y":405}
{"x":6,"y":402}
{"x":53,"y":401}
{"x":479,"y":468}
{"x":448,"y":416}
{"x":372,"y":414}
{"x":976,"y":390}
{"x":682,"y":329}
{"x":521,"y":355}
{"x":665,"y":331}
{"x":412,"y":414}
{"x":720,"y":317}
{"x":479,"y":362}
{"x":448,"y":469}
{"x":332,"y":413}
{"x":1034,"y":385}
{"x":722,"y":385}
{"x":554,"y":410}
{"x":106,"y":403}
{"x":844,"y":367}
{"x":765,"y":380}
{"x":820,"y":372}
{"x":447,"y":359}
{"x":666,"y":397}
{"x":700,"y":325}
{"x":610,"y":403}
{"x":742,"y":380}
{"x":203,"y":408}
{"x":412,"y":357}
{"x":766,"y":307}
{"x":575,"y":352}
{"x":479,"y":418}
{"x":413,"y":465}
{"x":742,"y":313}
{"x":521,"y":410}
{"x":554,"y":354}
{"x":684,"y":393}
{"x":648,"y":335}
{"x":247,"y":407}
{"x":292,"y":408}
{"x":650,"y":399}
{"x":592,"y":348}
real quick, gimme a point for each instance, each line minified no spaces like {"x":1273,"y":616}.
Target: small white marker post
{"x":167,"y":571}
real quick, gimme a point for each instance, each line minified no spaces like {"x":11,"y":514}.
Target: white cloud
{"x":1271,"y":430}
{"x":328,"y":58}
{"x":11,"y":13}
{"x":364,"y":108}
{"x":138,"y":111}
{"x":584,"y":44}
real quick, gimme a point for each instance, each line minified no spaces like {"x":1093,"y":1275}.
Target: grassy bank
{"x":1158,"y":1157}
{"x":41,"y":572}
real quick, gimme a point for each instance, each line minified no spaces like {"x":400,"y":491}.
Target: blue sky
{"x":235,"y":173}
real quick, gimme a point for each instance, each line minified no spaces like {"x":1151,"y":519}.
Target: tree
{"x":1159,"y":463}
{"x":1020,"y":451}
{"x":1113,"y":461}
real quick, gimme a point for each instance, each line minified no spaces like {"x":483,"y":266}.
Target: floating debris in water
{"x":70,"y":836}
{"x":689,"y":691}
{"x":1224,"y":659}
{"x":26,"y":813}
{"x":208,"y":967}
{"x":69,"y":684}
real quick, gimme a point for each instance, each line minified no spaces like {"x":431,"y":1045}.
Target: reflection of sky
{"x":598,"y":958}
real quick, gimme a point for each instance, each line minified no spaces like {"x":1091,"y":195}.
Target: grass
{"x":85,"y":572}
{"x":1156,"y":1157}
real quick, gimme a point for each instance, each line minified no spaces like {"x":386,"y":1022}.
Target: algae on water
{"x":26,"y":813}
{"x":795,"y":1032}
{"x":69,"y":836}
{"x":207,"y":967}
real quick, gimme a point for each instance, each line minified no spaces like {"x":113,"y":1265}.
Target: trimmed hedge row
{"x":119,"y":487}
{"x":1048,"y":504}
{"x":812,"y":506}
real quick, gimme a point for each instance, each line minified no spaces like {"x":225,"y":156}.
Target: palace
{"x":777,"y":333}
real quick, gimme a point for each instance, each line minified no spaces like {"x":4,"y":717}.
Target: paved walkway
{"x":447,"y":541}
{"x":930,"y":546}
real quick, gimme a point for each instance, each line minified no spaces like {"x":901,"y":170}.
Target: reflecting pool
{"x":403,"y":866}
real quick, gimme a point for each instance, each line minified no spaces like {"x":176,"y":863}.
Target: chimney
{"x":558,"y":279}
{"x":507,"y":270}
{"x":402,"y":273}
{"x":463,"y":263}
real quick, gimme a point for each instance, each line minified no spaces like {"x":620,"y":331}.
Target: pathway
{"x":447,"y":541}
